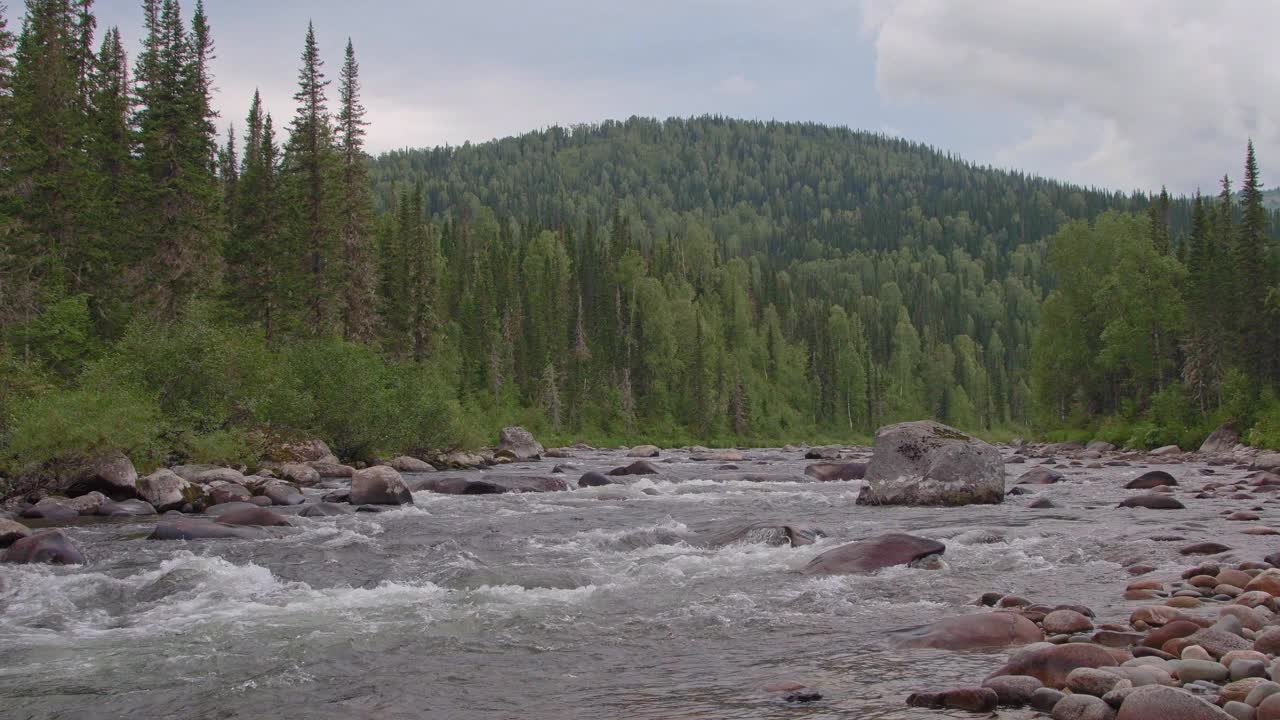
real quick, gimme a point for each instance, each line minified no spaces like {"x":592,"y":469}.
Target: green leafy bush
{"x":65,"y":423}
{"x":1265,"y":432}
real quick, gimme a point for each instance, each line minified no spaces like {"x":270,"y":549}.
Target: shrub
{"x":233,"y":446}
{"x":65,"y":423}
{"x":1265,"y":432}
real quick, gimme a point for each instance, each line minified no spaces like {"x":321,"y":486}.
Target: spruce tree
{"x":47,"y":164}
{"x":111,"y":172}
{"x":1251,"y":270}
{"x":180,"y":239}
{"x":359,"y":277}
{"x":310,"y":164}
{"x":7,"y":41}
{"x":256,"y":251}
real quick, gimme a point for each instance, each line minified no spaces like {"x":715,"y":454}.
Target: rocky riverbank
{"x":1069,"y":569}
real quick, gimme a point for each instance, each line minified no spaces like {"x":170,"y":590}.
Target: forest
{"x":188,"y":287}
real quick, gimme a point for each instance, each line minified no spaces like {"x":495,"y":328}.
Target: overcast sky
{"x":1130,"y":94}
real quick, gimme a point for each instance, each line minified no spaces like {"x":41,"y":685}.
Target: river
{"x":594,"y":603}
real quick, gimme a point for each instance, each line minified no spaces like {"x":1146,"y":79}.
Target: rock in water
{"x":828,"y":471}
{"x":181,"y":528}
{"x":873,"y":554}
{"x":379,"y":485}
{"x":928,"y":463}
{"x":971,"y":632}
{"x":1040,"y":476}
{"x":1222,"y":440}
{"x":1153,"y":479}
{"x":406,"y":464}
{"x":111,"y":474}
{"x":639,"y":467}
{"x":519,"y":444}
{"x":595,"y":479}
{"x":644,"y":451}
{"x":12,"y":531}
{"x":1153,"y":502}
{"x":166,"y":490}
{"x":1051,"y":665}
{"x":50,"y":546}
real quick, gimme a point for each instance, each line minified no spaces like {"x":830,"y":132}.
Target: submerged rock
{"x":639,"y":467}
{"x":827,"y":471}
{"x":47,"y":546}
{"x":1040,"y":476}
{"x":325,"y":509}
{"x":1153,"y":502}
{"x":180,"y":528}
{"x":928,"y":463}
{"x":874,"y":554}
{"x":769,"y":533}
{"x":1051,"y":665}
{"x":595,"y":479}
{"x":971,"y":632}
{"x":644,"y":451}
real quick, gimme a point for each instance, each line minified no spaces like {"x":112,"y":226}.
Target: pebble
{"x":1193,"y":670}
{"x":1045,"y":699}
{"x":1239,"y":710}
{"x":1241,"y":669}
{"x":1082,"y":707}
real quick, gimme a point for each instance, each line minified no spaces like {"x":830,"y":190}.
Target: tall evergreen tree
{"x":310,"y":164}
{"x":1250,"y":267}
{"x":111,"y":172}
{"x":180,"y":238}
{"x":359,"y":277}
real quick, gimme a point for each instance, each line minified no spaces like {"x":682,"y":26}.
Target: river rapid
{"x":593,"y":603}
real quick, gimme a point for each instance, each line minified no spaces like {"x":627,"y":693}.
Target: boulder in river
{"x":639,"y":467}
{"x":768,"y":533}
{"x":324,"y":509}
{"x":972,"y":632}
{"x":300,"y":474}
{"x":1268,"y":461}
{"x":644,"y":451}
{"x":519,"y":444}
{"x":928,"y":463}
{"x":1220,"y":441}
{"x":332,"y":470}
{"x":1167,"y":451}
{"x":1052,"y":664}
{"x":873,"y":554}
{"x":406,"y":464}
{"x":1153,"y":502}
{"x":829,"y":471}
{"x":110,"y":473}
{"x":1040,"y":476}
{"x":256,"y":516}
{"x":184,"y":528}
{"x":47,"y":546}
{"x":379,"y":485}
{"x":595,"y":479}
{"x":1149,"y":480}
{"x":166,"y":490}
{"x":12,"y":531}
{"x":126,"y":508}
{"x":460,"y":460}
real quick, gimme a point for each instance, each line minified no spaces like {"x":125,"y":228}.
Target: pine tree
{"x":229,"y":173}
{"x":1251,"y":270}
{"x":6,"y":59}
{"x":359,"y":265}
{"x":256,"y":250}
{"x":310,"y":163}
{"x":1158,"y":222}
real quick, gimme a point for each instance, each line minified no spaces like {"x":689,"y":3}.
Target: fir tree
{"x":180,"y":238}
{"x":1252,"y":274}
{"x":358,"y":271}
{"x":310,"y":162}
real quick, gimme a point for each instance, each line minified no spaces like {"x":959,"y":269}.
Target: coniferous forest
{"x":189,"y":287}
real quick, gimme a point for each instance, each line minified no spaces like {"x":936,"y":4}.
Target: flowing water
{"x":596,"y":603}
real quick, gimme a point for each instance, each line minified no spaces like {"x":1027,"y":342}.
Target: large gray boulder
{"x":110,"y":473}
{"x":379,"y":485}
{"x":928,"y":463}
{"x":166,"y":490}
{"x":48,"y":546}
{"x":1220,"y":441}
{"x":519,"y":444}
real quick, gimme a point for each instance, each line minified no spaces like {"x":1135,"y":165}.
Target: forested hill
{"x":761,"y":186}
{"x":186,"y":297}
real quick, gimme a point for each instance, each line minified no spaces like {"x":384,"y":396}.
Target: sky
{"x":1124,"y":95}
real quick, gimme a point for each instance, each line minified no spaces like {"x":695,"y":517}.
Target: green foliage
{"x":232,"y":446}
{"x":67,"y":423}
{"x":1266,"y":429}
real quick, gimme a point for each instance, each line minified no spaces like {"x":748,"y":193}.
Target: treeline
{"x":1153,"y":336}
{"x":183,"y":296}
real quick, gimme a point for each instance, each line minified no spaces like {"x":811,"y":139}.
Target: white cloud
{"x":1131,"y":94}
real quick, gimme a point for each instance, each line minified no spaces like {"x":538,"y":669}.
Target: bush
{"x":66,"y":423}
{"x":1265,"y":432}
{"x":234,"y":446}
